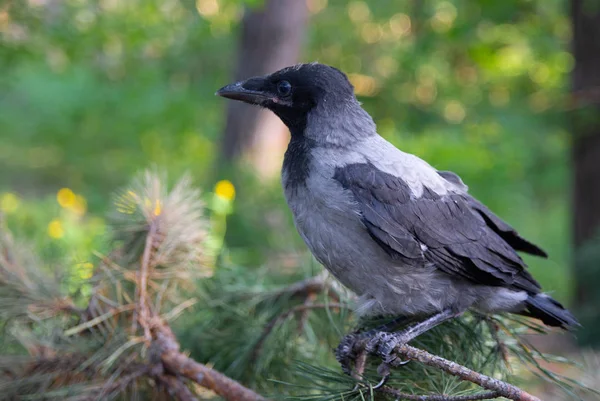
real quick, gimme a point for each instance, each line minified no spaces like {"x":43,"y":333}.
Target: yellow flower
{"x":225,"y":189}
{"x":65,"y":198}
{"x":9,"y":202}
{"x":157,"y":208}
{"x":55,"y":229}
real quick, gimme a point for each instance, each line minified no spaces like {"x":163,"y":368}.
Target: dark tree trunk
{"x":586,"y":164}
{"x":270,"y":39}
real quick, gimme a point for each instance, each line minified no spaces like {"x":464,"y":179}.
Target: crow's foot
{"x":346,"y":351}
{"x":378,"y":343}
{"x":383,"y":344}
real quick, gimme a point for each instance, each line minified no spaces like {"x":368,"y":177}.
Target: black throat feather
{"x":296,"y":162}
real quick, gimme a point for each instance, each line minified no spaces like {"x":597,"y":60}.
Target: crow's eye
{"x":284,"y":88}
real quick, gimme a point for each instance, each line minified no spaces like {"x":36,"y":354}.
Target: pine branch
{"x":488,"y":395}
{"x":177,"y":363}
{"x":497,"y":388}
{"x":169,"y":226}
{"x":503,"y":389}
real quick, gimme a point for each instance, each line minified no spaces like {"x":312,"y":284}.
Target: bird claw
{"x":383,"y":344}
{"x":384,"y":371}
{"x":344,"y":353}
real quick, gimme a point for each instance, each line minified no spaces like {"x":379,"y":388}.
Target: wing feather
{"x":453,"y":231}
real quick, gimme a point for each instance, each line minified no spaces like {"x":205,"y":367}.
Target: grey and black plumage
{"x":405,"y":237}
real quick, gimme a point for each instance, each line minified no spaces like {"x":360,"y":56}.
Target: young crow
{"x":405,"y":237}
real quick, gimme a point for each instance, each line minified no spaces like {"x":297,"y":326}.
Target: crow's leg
{"x":352,"y":344}
{"x":383,"y":343}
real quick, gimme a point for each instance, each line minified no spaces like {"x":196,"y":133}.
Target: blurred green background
{"x":93,"y":91}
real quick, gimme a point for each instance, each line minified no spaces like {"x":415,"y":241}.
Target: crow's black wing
{"x":453,"y":231}
{"x":508,"y":234}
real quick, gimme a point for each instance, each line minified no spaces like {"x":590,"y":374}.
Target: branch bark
{"x":176,"y":363}
{"x":177,"y":388}
{"x":488,"y":395}
{"x":503,"y":389}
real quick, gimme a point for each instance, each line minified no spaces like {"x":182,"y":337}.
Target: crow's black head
{"x":293,"y":92}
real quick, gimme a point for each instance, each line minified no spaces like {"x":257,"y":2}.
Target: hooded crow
{"x":408,"y":239}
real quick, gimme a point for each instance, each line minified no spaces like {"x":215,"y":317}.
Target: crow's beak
{"x":237,"y":91}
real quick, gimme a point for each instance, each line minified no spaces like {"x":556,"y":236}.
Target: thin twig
{"x":118,"y":386}
{"x":494,"y":329}
{"x":144,"y":269}
{"x":359,"y":366}
{"x":312,"y":285}
{"x":97,"y":320}
{"x":502,"y":388}
{"x":177,"y":388}
{"x":309,"y":300}
{"x":93,"y":311}
{"x":488,"y":395}
{"x":282,"y":317}
{"x":176,"y":311}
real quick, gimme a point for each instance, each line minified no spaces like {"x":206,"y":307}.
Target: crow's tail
{"x":549,"y":311}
